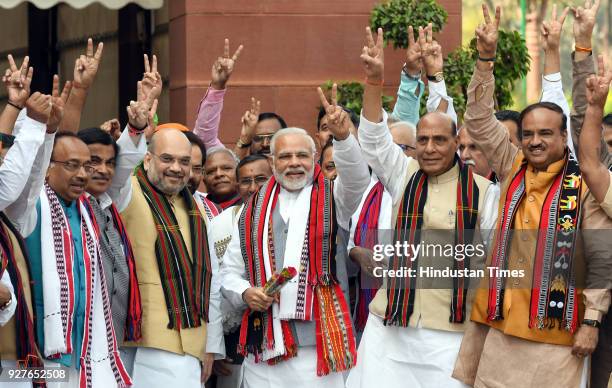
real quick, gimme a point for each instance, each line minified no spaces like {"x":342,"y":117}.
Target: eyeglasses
{"x":74,"y":166}
{"x":405,"y":147}
{"x":197,"y":169}
{"x":260,"y":138}
{"x":259,"y":180}
{"x":167,"y":159}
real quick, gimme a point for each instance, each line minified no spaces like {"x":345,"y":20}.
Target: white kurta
{"x":300,"y":371}
{"x":411,"y":356}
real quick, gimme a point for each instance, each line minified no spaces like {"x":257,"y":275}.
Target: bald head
{"x":437,"y":119}
{"x":168,"y":138}
{"x":168,"y":162}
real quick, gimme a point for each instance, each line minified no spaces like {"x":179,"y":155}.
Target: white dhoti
{"x":398,"y":357}
{"x":297,"y":372}
{"x":158,"y":368}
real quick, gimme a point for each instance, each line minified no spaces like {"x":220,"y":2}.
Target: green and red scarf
{"x":185,"y":280}
{"x":401,"y":290}
{"x":553,"y":296}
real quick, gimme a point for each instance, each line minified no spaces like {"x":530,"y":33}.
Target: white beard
{"x":294,"y":185}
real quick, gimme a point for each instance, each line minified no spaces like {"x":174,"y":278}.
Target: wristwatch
{"x":240,"y":144}
{"x":7,"y":304}
{"x":438,"y":77}
{"x":591,"y":322}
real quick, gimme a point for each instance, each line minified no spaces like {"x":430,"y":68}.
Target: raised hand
{"x":151,"y":79}
{"x":58,"y":102}
{"x":414,"y":63}
{"x":337,"y":118}
{"x":584,"y":21}
{"x":39,"y":107}
{"x":138,"y":111}
{"x":551,"y":30}
{"x":86,"y":66}
{"x":112,"y":127}
{"x":250,"y":117}
{"x":224,"y":66}
{"x":17,"y":81}
{"x":598,"y":85}
{"x":431,"y":51}
{"x":151,"y":124}
{"x":372,"y":56}
{"x":487,"y":33}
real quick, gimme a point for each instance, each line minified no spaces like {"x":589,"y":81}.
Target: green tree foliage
{"x":350,"y":95}
{"x":512,"y":63}
{"x":395,"y":16}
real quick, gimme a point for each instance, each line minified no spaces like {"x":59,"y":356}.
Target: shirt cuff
{"x":593,"y":314}
{"x":31,"y":130}
{"x":345,"y":145}
{"x":482,"y":76}
{"x":585,"y":66}
{"x":439,"y":88}
{"x":410,"y":85}
{"x":213,"y":95}
{"x":370,"y":129}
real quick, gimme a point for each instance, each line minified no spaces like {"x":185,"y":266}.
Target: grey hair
{"x":292,"y":131}
{"x":410,"y":126}
{"x":216,"y":150}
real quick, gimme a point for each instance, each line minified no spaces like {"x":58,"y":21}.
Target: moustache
{"x":535,"y":148}
{"x":469,"y":162}
{"x":174,"y":175}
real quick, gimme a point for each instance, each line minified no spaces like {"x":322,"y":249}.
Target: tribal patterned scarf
{"x":98,"y":339}
{"x":366,"y":235}
{"x":401,"y":290}
{"x":133,"y":324}
{"x":318,"y":289}
{"x":185,"y":280}
{"x":553,"y":296}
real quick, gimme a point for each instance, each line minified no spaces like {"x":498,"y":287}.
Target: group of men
{"x":144,"y":257}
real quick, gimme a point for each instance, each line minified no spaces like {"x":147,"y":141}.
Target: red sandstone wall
{"x":291,"y":46}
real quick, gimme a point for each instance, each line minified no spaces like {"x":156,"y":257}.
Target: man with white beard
{"x":291,"y":222}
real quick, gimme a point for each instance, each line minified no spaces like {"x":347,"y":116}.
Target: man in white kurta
{"x":353,"y":178}
{"x":417,"y":348}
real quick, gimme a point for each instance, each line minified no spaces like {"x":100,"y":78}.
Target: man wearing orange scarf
{"x":542,"y":325}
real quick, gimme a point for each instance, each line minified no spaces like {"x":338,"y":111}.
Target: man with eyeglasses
{"x":62,"y":241}
{"x":181,"y":321}
{"x":252,"y":172}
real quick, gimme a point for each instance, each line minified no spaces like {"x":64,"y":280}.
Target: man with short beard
{"x":252,"y":172}
{"x":220,"y":178}
{"x":298,"y":211}
{"x":168,"y":235}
